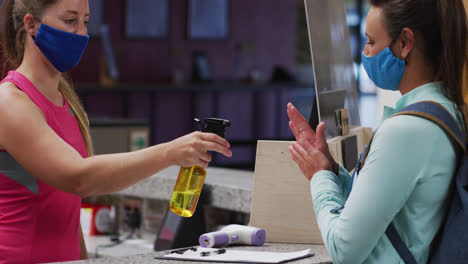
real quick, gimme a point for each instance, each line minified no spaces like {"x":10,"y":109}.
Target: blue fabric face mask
{"x":384,"y":69}
{"x":63,"y":49}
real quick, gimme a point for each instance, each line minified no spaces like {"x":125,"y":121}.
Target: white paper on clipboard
{"x":238,"y":256}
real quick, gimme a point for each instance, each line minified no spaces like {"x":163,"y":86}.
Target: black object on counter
{"x":180,"y":232}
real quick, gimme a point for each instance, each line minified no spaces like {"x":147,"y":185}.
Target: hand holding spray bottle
{"x":191,"y":179}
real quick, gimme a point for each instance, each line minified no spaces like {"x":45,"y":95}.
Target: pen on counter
{"x":182,"y":251}
{"x":216,"y":252}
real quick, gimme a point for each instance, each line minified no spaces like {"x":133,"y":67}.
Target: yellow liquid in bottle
{"x":187,"y":190}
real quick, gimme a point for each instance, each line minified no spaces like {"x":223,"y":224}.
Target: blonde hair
{"x":13,"y":39}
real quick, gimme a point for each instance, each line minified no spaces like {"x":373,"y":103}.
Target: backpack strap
{"x":434,"y":112}
{"x":439,"y":115}
{"x":399,"y":245}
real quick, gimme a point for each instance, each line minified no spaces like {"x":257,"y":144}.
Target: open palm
{"x":304,"y":133}
{"x":302,"y":130}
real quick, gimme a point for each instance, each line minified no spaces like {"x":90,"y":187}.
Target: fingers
{"x":201,"y":163}
{"x":201,"y":159}
{"x":301,"y":132}
{"x":205,"y":156}
{"x":198,"y":158}
{"x":320,"y":131}
{"x":297,"y":157}
{"x":211,"y":146}
{"x":298,"y":123}
{"x":215,"y":138}
{"x":295,"y":116}
{"x":213,"y":142}
{"x":297,"y":160}
{"x":309,"y":159}
{"x":294,"y":130}
{"x":304,"y":147}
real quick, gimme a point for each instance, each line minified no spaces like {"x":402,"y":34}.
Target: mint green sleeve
{"x":401,"y":150}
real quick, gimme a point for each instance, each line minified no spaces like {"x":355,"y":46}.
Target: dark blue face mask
{"x":63,"y":49}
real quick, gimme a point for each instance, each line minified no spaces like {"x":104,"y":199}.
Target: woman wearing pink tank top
{"x":46,"y":162}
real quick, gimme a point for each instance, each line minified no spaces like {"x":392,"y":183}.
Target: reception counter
{"x":319,"y":251}
{"x":228,"y":189}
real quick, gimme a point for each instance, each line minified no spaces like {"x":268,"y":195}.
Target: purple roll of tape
{"x":258,"y":237}
{"x":220,"y":239}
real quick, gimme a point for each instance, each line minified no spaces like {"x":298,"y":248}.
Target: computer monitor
{"x":179,"y":232}
{"x":335,"y":82}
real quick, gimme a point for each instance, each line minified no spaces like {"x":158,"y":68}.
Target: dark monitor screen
{"x":168,"y":231}
{"x":314,"y":119}
{"x":179,"y":232}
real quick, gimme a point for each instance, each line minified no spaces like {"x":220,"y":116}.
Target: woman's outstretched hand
{"x":309,"y":159}
{"x":302,"y":131}
{"x":310,"y":151}
{"x":192,"y":149}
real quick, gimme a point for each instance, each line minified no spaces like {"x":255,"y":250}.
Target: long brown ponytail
{"x":453,"y":29}
{"x":13,"y":40}
{"x":442,"y":27}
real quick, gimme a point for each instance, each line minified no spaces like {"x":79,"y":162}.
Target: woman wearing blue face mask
{"x":46,"y":162}
{"x":419,"y":48}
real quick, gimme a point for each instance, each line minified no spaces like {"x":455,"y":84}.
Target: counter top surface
{"x":319,"y":251}
{"x":102,"y":246}
{"x":229,"y":189}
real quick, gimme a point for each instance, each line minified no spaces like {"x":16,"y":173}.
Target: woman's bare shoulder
{"x":15,"y":104}
{"x":11,"y":97}
{"x":9,"y":91}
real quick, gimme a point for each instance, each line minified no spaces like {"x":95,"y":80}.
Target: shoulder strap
{"x":436,"y":113}
{"x":399,"y":245}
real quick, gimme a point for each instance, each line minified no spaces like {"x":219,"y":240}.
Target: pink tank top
{"x":39,"y":223}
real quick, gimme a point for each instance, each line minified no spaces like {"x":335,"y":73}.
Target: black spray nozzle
{"x":214,"y":125}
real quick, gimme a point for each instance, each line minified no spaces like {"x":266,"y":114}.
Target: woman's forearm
{"x":110,"y":173}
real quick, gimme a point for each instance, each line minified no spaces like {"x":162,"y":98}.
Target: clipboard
{"x":236,"y":256}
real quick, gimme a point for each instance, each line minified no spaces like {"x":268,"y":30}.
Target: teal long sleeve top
{"x":405,"y":179}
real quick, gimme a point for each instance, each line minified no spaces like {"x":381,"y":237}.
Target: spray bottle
{"x":190,"y":180}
